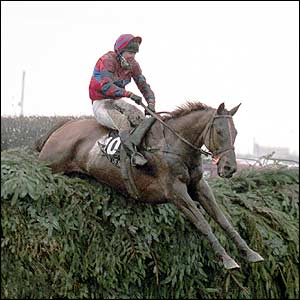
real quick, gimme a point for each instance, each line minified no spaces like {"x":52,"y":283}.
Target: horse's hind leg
{"x":184,"y":203}
{"x":202,"y":193}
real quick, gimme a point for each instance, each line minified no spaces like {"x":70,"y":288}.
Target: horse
{"x":174,"y":172}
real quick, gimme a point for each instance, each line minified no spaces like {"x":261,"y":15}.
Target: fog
{"x":212,"y":52}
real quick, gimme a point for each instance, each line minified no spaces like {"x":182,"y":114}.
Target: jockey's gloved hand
{"x":150,"y":106}
{"x":137,"y":99}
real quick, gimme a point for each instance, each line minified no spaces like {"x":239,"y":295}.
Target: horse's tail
{"x":39,"y":144}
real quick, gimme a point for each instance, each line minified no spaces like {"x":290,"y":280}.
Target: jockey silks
{"x":109,"y":79}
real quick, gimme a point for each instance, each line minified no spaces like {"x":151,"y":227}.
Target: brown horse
{"x":173,"y":173}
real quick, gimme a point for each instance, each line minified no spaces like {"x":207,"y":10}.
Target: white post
{"x":22,"y":95}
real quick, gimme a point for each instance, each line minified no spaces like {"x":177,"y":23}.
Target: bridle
{"x":217,"y":154}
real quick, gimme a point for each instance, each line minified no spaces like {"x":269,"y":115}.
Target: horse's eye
{"x":219,"y":131}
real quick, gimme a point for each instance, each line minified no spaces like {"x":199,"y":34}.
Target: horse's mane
{"x":185,"y":109}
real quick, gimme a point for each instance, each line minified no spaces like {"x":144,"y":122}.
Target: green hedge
{"x":70,"y":237}
{"x":24,"y":131}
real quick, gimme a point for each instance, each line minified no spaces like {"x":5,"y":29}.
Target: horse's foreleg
{"x":202,"y":192}
{"x":185,"y":204}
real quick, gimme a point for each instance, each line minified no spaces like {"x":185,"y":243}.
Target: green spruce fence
{"x":70,"y":237}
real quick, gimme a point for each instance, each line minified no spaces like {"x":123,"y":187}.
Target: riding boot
{"x":137,"y":158}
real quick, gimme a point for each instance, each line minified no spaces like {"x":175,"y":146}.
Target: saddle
{"x":112,"y":148}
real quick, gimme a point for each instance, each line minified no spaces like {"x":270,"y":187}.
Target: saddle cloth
{"x":110,"y":144}
{"x":110,"y":147}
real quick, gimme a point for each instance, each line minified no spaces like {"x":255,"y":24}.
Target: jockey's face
{"x":129,"y":56}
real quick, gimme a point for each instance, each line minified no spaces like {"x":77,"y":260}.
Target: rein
{"x":174,"y":132}
{"x":216,"y":155}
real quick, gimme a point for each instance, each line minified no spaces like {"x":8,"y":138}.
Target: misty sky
{"x":213,"y":52}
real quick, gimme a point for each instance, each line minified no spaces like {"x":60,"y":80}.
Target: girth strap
{"x":126,"y":172}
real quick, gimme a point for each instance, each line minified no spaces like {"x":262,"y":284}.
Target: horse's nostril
{"x":229,"y":170}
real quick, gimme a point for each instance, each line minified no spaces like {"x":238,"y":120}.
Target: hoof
{"x":229,"y":263}
{"x":253,"y":257}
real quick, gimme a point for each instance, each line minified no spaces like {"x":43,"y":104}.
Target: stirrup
{"x":137,"y":159}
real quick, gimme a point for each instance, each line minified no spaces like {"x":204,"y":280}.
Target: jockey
{"x":112,"y":72}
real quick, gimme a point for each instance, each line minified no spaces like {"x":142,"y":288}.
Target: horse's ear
{"x":220,"y":108}
{"x":234,"y":110}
